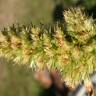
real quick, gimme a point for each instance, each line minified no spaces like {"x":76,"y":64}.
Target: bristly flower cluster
{"x":79,"y":27}
{"x":72,"y":51}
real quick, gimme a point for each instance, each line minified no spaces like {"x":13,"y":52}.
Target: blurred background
{"x":25,"y":11}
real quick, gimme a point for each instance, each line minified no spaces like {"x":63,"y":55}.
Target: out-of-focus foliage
{"x":25,"y":11}
{"x":86,"y":3}
{"x":89,"y":3}
{"x":17,"y":80}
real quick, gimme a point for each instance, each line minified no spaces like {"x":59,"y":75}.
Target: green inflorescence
{"x":70,"y":48}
